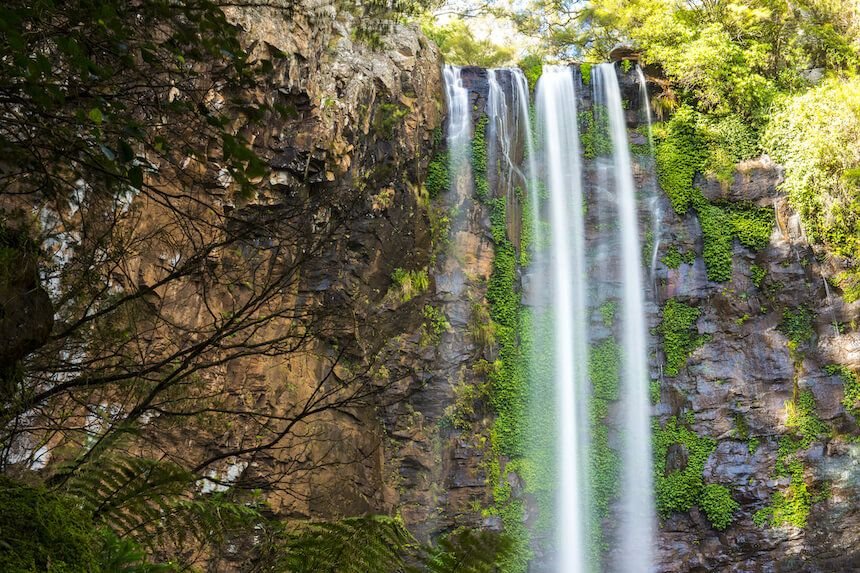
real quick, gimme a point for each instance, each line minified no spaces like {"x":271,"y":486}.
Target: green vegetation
{"x":683,"y":487}
{"x":796,"y":325}
{"x":792,"y":506}
{"x":532,"y":67}
{"x":594,"y":132}
{"x":387,"y":118}
{"x":585,"y":72}
{"x":757,"y":274}
{"x":815,"y":136}
{"x":479,"y":160}
{"x":849,"y":283}
{"x":43,"y":531}
{"x":438,"y":178}
{"x":410,"y":284}
{"x":604,"y":372}
{"x":607,"y":312}
{"x":717,"y":503}
{"x":851,"y":388}
{"x":679,"y":340}
{"x":459,"y":46}
{"x":654,"y":392}
{"x":673,"y":257}
{"x":691,"y":143}
{"x":435,"y":324}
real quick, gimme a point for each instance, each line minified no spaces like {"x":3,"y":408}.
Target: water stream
{"x":586,"y":252}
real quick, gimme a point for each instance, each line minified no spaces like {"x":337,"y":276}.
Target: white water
{"x":557,"y":120}
{"x":636,"y":492}
{"x":459,"y":126}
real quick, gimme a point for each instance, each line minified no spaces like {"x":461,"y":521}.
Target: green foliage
{"x":479,"y":160}
{"x":594,"y":132}
{"x":803,"y":420}
{"x":757,"y":274}
{"x":585,"y":72}
{"x":717,"y":503}
{"x":850,"y":388}
{"x":435,"y":324}
{"x":676,"y":328}
{"x":607,"y":312}
{"x":654,"y":392}
{"x":680,"y":153}
{"x":459,"y":46}
{"x":796,"y":325}
{"x":351,"y":545}
{"x":604,"y":366}
{"x":849,"y":282}
{"x":532,"y":67}
{"x":438,"y":178}
{"x":682,"y":488}
{"x":792,"y":506}
{"x":43,"y":531}
{"x":752,"y":227}
{"x":815,"y":136}
{"x":410,"y":284}
{"x":468,"y":551}
{"x":673,"y":257}
{"x":387,"y":117}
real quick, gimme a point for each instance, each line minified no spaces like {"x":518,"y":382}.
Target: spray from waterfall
{"x":557,"y":120}
{"x":636,"y":492}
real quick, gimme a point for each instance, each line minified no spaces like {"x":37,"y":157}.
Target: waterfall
{"x":586,"y":253}
{"x":637,"y":513}
{"x":458,"y":125}
{"x":557,"y":119}
{"x":652,"y":197}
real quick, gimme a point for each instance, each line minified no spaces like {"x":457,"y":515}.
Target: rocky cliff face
{"x":760,"y":379}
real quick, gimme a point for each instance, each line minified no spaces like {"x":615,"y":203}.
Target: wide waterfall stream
{"x":562,"y":165}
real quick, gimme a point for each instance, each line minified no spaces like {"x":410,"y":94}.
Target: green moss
{"x":479,"y":160}
{"x":688,"y":144}
{"x":387,"y":117}
{"x":674,"y":257}
{"x":717,"y":504}
{"x":796,"y":325}
{"x":435,"y":324}
{"x":717,"y":239}
{"x":679,"y":154}
{"x":43,"y":531}
{"x":532,"y":67}
{"x":792,"y":505}
{"x":757,"y":274}
{"x":753,"y":444}
{"x":410,"y":284}
{"x":679,"y":340}
{"x":607,"y":312}
{"x":654,"y":392}
{"x":594,"y":132}
{"x":680,"y":489}
{"x":508,"y":386}
{"x":585,"y":72}
{"x":751,"y":225}
{"x":721,"y":225}
{"x":850,"y":388}
{"x":438,"y":178}
{"x":849,"y":282}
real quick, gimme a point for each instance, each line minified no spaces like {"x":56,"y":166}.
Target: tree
{"x":135,"y":174}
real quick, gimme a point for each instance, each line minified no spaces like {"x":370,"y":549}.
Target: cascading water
{"x":557,"y":121}
{"x":459,"y":124}
{"x":637,"y":514}
{"x":586,"y":253}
